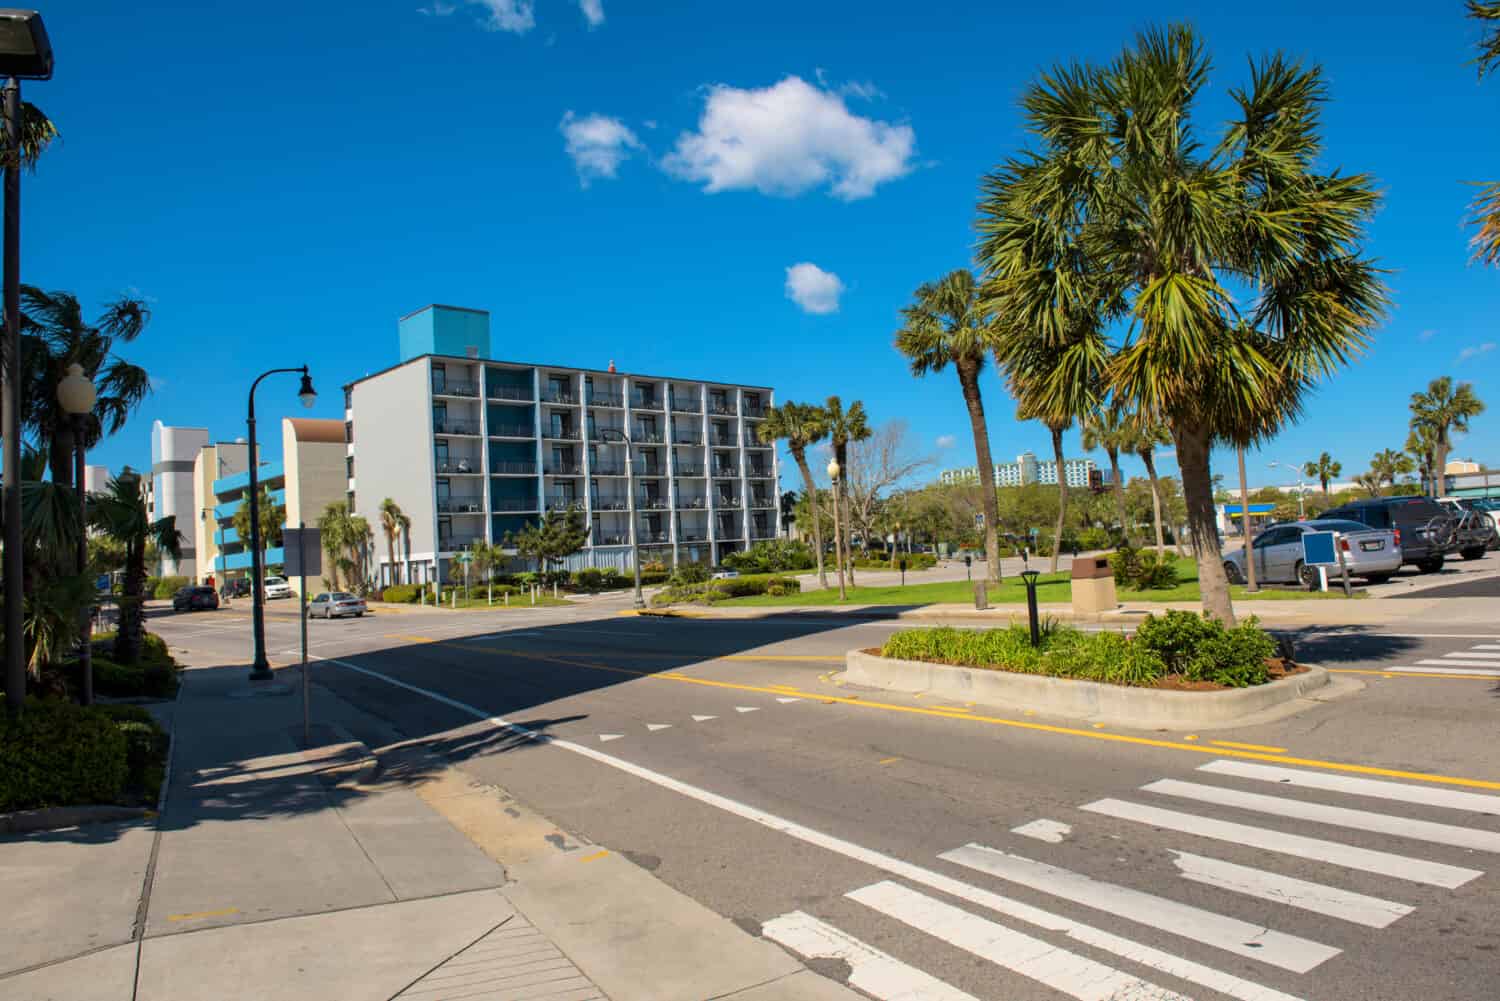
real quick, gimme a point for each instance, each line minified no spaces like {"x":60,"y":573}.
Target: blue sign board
{"x":1318,"y":549}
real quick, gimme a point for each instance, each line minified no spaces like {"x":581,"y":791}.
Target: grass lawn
{"x":1056,"y":587}
{"x":479,"y":599}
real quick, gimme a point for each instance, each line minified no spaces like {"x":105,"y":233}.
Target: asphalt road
{"x":1004,"y":854}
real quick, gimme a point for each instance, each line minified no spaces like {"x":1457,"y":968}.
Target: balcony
{"x":560,"y":434}
{"x":646,"y":437}
{"x":610,"y":504}
{"x":452,"y":427}
{"x":512,"y":504}
{"x":607,"y":469}
{"x":721,"y":408}
{"x":687,"y":469}
{"x":762,"y":502}
{"x":564,"y":501}
{"x":692,"y":503}
{"x":597,"y":433}
{"x":755,"y":411}
{"x":512,"y":431}
{"x":758,"y":472}
{"x":639,"y":402}
{"x":650,"y":503}
{"x":692,"y":537}
{"x":686,"y":406}
{"x":458,"y":541}
{"x":560,"y":397}
{"x":686,"y":436}
{"x":613,"y":400}
{"x":752,"y":440}
{"x":612,"y":540}
{"x":563,"y":469}
{"x":450,"y":387}
{"x":761,"y":532}
{"x":726,"y":472}
{"x":652,"y":538}
{"x":519,"y":393}
{"x":727,"y":500}
{"x":461,"y":505}
{"x":512,"y":468}
{"x":459,"y":467}
{"x":722,"y":441}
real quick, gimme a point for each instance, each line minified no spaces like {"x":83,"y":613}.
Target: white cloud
{"x":1475,"y":350}
{"x":157,"y":383}
{"x":598,"y":145}
{"x":946,"y":441}
{"x":1426,"y":335}
{"x":787,"y":138}
{"x":812,"y":288}
{"x":593,"y":11}
{"x":438,"y":8}
{"x":514,"y":16}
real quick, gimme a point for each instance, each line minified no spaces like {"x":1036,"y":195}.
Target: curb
{"x":53,"y":818}
{"x":1143,"y":708}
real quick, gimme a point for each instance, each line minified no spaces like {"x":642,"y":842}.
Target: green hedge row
{"x":721,"y":590}
{"x":58,"y":753}
{"x":914,"y":561}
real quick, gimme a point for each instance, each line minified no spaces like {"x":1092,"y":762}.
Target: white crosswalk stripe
{"x":1358,"y":908}
{"x":1316,"y":849}
{"x":1404,"y":792}
{"x":1066,"y":972}
{"x":872,"y":971}
{"x":1470,"y":662}
{"x":1239,"y":937}
{"x":1470,"y":671}
{"x":1476,"y":653}
{"x":1336,"y":816}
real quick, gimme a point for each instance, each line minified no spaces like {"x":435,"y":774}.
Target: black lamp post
{"x":25,"y":54}
{"x":260,"y":669}
{"x":77,"y":394}
{"x":614,"y":434}
{"x":1030,"y":576}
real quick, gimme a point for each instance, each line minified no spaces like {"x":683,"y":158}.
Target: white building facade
{"x":173,"y":450}
{"x":1027,"y":469}
{"x":473,"y":449}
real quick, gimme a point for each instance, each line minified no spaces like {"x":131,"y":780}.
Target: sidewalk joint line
{"x":455,"y":955}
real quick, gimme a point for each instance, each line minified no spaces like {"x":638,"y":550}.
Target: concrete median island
{"x":1124,"y":705}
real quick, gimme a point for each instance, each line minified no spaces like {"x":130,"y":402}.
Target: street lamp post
{"x":77,"y":394}
{"x":25,"y":54}
{"x":838,"y":538}
{"x":260,"y":669}
{"x":1301,"y":491}
{"x":614,"y":434}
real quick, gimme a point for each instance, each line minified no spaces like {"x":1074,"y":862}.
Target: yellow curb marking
{"x":597,"y":855}
{"x":886,"y":761}
{"x":1191,"y":736}
{"x":195,"y":915}
{"x":410,"y":639}
{"x":1120,"y":738}
{"x":1412,"y":674}
{"x":1248,"y":747}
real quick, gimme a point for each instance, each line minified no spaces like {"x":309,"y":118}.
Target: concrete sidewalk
{"x":331,"y":871}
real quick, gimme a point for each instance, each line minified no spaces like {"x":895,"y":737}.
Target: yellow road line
{"x":196,"y":915}
{"x":597,"y":855}
{"x":1120,"y":738}
{"x":1412,"y":674}
{"x":886,"y":761}
{"x":1248,"y":747}
{"x":410,"y":639}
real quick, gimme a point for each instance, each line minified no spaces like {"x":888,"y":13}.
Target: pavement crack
{"x":740,"y":991}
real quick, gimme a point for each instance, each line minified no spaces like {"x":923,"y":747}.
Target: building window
{"x":350,"y":496}
{"x":349,"y":465}
{"x":349,"y":431}
{"x":348,"y":397}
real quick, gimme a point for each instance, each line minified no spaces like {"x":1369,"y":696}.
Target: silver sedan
{"x":1371,"y":553}
{"x":335,"y":604}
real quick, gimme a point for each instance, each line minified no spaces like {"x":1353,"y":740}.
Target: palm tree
{"x":1486,"y":208}
{"x":800,"y":425}
{"x":1444,"y":409}
{"x":844,"y":426}
{"x":1388,"y":465}
{"x":1323,"y":470}
{"x":946,"y":324}
{"x":1421,"y":445}
{"x":337,"y":534}
{"x":1112,"y":429}
{"x":393,"y":521}
{"x":1370,"y":481}
{"x":1147,"y":438}
{"x":272,"y":521}
{"x":361,"y":544}
{"x":120,"y":513}
{"x":1126,"y":213}
{"x":54,"y":335}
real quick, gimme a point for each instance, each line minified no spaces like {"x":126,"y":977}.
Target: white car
{"x":725,"y":574}
{"x":336,"y":604}
{"x":276,"y":587}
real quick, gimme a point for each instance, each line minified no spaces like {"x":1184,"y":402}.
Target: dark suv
{"x":194,"y":597}
{"x":1424,"y":531}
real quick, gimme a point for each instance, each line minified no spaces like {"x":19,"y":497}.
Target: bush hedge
{"x":721,"y":590}
{"x":914,"y":561}
{"x":146,"y":745}
{"x":1179,"y":643}
{"x":1143,"y":570}
{"x":166,"y":587}
{"x":401,"y":594}
{"x":58,"y":753}
{"x":772,"y":556}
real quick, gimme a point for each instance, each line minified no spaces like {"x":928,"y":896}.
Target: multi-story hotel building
{"x":1025,"y":470}
{"x":473,"y":448}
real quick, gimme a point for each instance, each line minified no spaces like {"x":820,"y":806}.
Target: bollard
{"x":533,"y":594}
{"x":453,"y":599}
{"x":1030,"y":577}
{"x":981,"y":596}
{"x":507,"y":599}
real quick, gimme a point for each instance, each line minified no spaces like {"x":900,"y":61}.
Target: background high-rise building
{"x":173,"y":451}
{"x":1025,"y":470}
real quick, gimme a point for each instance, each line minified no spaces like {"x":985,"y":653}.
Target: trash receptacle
{"x":1093,"y":585}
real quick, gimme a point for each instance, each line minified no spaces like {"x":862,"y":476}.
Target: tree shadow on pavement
{"x":1343,"y":645}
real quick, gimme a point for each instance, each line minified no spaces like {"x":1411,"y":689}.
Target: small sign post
{"x":1322,"y":550}
{"x":303,"y":550}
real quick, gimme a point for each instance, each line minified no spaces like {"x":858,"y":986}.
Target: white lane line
{"x":1348,"y":856}
{"x":1493,"y":671}
{"x":1477,"y":653}
{"x":1069,"y":973}
{"x":1230,"y":934}
{"x":606,"y":737}
{"x":1487,"y":646}
{"x":1453,"y":799}
{"x":1336,"y":816}
{"x":746,"y":709}
{"x":870,"y":970}
{"x":702,"y":719}
{"x":783,"y":701}
{"x":1051,"y":831}
{"x":1372,"y":912}
{"x":653,"y":727}
{"x":1145,"y":955}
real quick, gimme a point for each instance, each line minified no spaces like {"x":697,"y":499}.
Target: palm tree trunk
{"x":800,"y":455}
{"x":841,"y":511}
{"x":390,"y":551}
{"x":1245,"y":522}
{"x":1150,"y":460}
{"x":1119,"y":492}
{"x":1062,"y":496}
{"x":1197,"y":490}
{"x":1440,"y":467}
{"x":128,"y":639}
{"x":838,"y":540}
{"x":968,"y":378}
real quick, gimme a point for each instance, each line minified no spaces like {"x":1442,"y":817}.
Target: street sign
{"x":1318,"y":549}
{"x":303,"y":551}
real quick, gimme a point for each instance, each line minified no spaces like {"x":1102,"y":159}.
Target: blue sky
{"x":633,"y":181}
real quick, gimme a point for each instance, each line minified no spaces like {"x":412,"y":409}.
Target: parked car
{"x":336,"y":604}
{"x":194,"y":597}
{"x":1424,"y":529}
{"x":1488,"y":506}
{"x":237,"y":588}
{"x":1476,"y":527}
{"x":724,"y":573}
{"x":1371,"y":553}
{"x":277,"y":587}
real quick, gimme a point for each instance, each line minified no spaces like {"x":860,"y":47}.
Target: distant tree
{"x":557,"y":536}
{"x":1370,"y":482}
{"x":844,"y":426}
{"x":272,"y":519}
{"x":882,"y":461}
{"x":1112,"y":429}
{"x":1389,"y":465}
{"x":337,"y":531}
{"x":1443,"y":409}
{"x":1148,"y":436}
{"x":120,"y":513}
{"x":1486,"y":207}
{"x":393,"y":523}
{"x":800,"y":425}
{"x":788,"y":510}
{"x":1323,"y":469}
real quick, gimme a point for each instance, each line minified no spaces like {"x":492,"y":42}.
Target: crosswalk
{"x":1481,"y":661}
{"x":975,"y":915}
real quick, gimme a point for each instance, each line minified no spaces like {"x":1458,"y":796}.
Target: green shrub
{"x":914,"y":561}
{"x":1235,"y":657}
{"x":651,"y":577}
{"x":772,"y":556}
{"x":689,"y":573}
{"x":148,"y":679}
{"x":1176,"y":635}
{"x":149,"y":589}
{"x":1143,"y":571}
{"x":1095,"y":538}
{"x":1065,"y":652}
{"x":587,"y":579}
{"x":146,"y":746}
{"x":401,"y":594}
{"x":1107,"y":657}
{"x":166,"y":587}
{"x":58,"y":753}
{"x":721,"y":590}
{"x":1126,"y":564}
